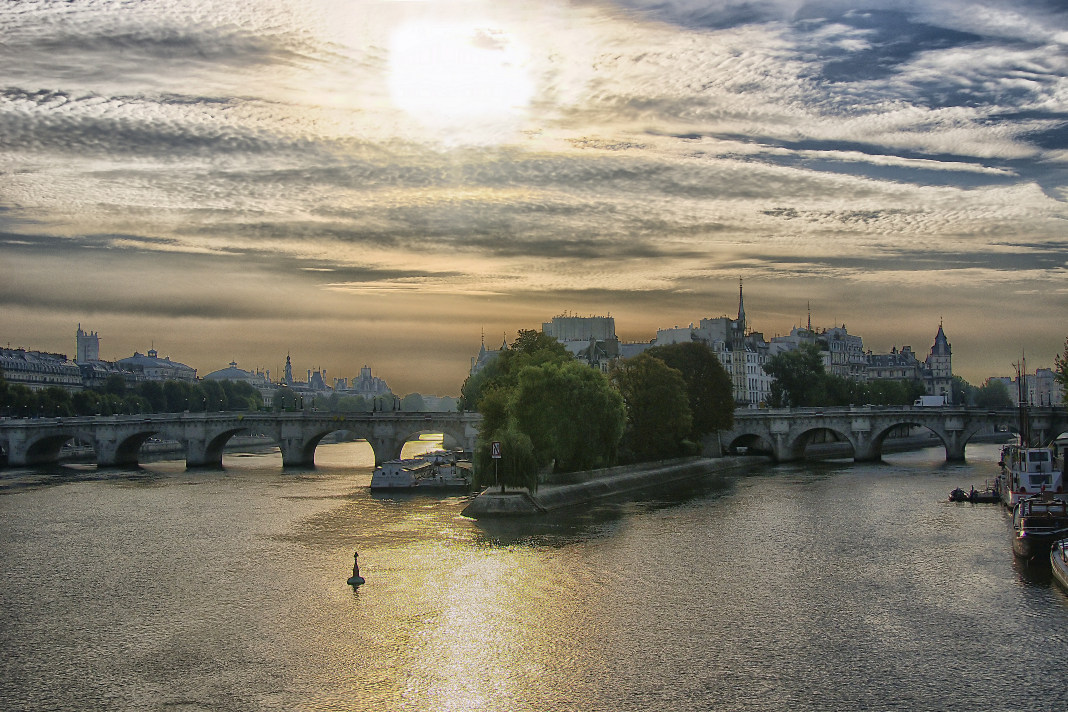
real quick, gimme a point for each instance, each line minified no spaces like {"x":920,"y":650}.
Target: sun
{"x":457,"y":75}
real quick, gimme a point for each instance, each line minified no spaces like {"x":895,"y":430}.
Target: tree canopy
{"x":992,"y":394}
{"x":1060,"y":367}
{"x":802,"y":382}
{"x":709,"y":390}
{"x":115,"y":397}
{"x":568,"y":412}
{"x":657,"y":406}
{"x":573,"y":417}
{"x":799,"y":377}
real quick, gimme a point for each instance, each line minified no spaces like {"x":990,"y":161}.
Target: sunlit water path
{"x":826,"y":586}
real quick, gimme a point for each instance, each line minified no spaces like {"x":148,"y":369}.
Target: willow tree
{"x":573,"y":416}
{"x":657,"y":406}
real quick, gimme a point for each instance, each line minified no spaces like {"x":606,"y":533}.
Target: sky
{"x":389,"y":183}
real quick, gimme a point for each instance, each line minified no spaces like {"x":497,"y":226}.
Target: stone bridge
{"x":785,"y":433}
{"x":117,"y":439}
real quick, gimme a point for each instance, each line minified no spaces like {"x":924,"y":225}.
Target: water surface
{"x":827,"y":586}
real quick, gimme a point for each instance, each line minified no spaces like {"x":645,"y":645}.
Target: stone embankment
{"x":577,"y":488}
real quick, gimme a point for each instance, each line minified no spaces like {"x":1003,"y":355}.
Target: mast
{"x":1024,"y":423}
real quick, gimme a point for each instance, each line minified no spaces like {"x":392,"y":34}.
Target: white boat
{"x":1058,"y":562}
{"x":432,"y":470}
{"x":1028,"y":468}
{"x":1027,"y":471}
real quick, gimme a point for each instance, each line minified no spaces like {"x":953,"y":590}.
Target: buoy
{"x":355,"y":579}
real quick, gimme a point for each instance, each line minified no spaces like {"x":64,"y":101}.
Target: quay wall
{"x":577,"y":488}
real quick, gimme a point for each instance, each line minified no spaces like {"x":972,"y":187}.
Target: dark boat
{"x":1038,"y":522}
{"x":1058,"y":562}
{"x":989,"y":495}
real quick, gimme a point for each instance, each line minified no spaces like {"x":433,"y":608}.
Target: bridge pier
{"x":296,"y":452}
{"x":114,"y":453}
{"x":954,"y":446}
{"x":199,"y":455}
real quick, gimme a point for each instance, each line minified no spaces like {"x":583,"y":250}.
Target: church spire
{"x":741,"y":308}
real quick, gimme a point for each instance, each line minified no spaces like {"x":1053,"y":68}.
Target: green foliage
{"x":892,"y":392}
{"x":353,"y":404}
{"x":413,"y":403}
{"x":530,"y":348}
{"x":1060,"y":367}
{"x":571,"y":414}
{"x":657,"y":407}
{"x":709,"y":389}
{"x":992,"y":394}
{"x":802,"y":382}
{"x":285,"y":399}
{"x":517,"y":466}
{"x":799,"y":377}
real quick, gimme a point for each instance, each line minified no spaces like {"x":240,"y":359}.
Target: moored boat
{"x":1038,"y":522}
{"x":1028,"y":468}
{"x":433,"y":470}
{"x":1027,"y":471}
{"x":1058,"y":562}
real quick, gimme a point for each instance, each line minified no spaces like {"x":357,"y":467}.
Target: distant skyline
{"x":381,"y":182}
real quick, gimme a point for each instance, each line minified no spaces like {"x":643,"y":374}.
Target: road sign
{"x":495,"y":450}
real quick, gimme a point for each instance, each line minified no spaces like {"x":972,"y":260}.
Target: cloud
{"x":247,"y":160}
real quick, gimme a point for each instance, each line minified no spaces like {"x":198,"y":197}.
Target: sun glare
{"x":456,"y":76}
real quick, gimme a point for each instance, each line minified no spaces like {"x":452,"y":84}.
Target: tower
{"x":939,"y":367}
{"x":288,"y":377}
{"x":739,"y":362}
{"x":88,"y":346}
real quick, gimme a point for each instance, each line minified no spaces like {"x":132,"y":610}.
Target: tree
{"x":709,"y":389}
{"x":517,"y":466}
{"x":285,"y":399}
{"x":413,"y":403}
{"x":886,"y":391}
{"x":657,"y":406}
{"x":993,"y":394}
{"x":115,"y":385}
{"x":530,"y":348}
{"x":1060,"y":367}
{"x":353,"y":404}
{"x":798,"y":376}
{"x":570,"y":412}
{"x":152,"y":391}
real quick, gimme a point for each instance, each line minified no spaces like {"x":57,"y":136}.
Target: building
{"x":743,"y":353}
{"x":566,"y":328}
{"x":844,"y":353}
{"x":368,"y":385}
{"x":95,"y":374}
{"x":154,"y":368}
{"x":895,"y":366}
{"x":38,"y":370}
{"x":1038,"y":388}
{"x":485,"y":355}
{"x":938,"y":368}
{"x":88,"y":346}
{"x":590,"y":339}
{"x":258,"y":379}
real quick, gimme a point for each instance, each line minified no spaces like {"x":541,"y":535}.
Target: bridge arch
{"x":798,"y":440}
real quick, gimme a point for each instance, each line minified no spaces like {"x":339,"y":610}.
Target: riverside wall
{"x":578,"y":488}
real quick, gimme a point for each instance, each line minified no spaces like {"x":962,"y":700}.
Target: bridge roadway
{"x":785,"y":433}
{"x":117,"y":439}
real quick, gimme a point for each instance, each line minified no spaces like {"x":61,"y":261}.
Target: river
{"x":809,"y":586}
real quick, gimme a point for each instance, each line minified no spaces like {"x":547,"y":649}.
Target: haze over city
{"x":383,"y":182}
